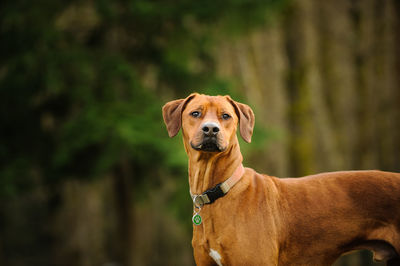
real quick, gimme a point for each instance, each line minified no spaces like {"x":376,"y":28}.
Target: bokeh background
{"x":88,"y":175}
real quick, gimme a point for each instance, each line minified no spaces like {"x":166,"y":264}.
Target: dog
{"x":242,"y":217}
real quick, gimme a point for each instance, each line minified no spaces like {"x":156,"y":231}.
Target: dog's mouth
{"x":208,"y":145}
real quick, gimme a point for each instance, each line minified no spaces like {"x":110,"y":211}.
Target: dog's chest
{"x":216,"y":256}
{"x":208,"y":242}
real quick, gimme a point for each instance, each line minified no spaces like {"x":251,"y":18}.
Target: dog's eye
{"x":226,"y":116}
{"x":195,"y":114}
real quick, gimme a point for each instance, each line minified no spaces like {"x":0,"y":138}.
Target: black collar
{"x":219,"y":190}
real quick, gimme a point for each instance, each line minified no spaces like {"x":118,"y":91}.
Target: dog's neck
{"x":207,"y":169}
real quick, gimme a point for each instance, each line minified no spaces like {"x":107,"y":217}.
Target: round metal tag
{"x":196,"y":219}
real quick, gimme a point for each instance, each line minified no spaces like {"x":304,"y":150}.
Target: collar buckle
{"x":200,"y":200}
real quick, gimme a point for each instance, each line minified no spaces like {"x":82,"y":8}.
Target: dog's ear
{"x":172,"y":114}
{"x":246,"y":119}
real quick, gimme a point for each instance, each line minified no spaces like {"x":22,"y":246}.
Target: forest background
{"x":88,"y":175}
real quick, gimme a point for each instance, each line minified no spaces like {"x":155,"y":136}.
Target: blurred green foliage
{"x":73,"y":97}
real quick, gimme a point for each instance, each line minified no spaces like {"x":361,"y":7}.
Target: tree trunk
{"x":125,"y":220}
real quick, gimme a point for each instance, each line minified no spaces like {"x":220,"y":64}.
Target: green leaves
{"x":74,"y":88}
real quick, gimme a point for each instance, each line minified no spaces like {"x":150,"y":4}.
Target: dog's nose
{"x":210,"y":128}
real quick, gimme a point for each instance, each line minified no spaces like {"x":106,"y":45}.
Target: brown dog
{"x":264,"y":220}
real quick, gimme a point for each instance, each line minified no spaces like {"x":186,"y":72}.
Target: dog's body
{"x":264,"y":220}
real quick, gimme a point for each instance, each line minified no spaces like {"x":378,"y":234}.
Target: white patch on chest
{"x":215,"y":255}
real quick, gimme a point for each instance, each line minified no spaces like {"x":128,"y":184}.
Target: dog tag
{"x":196,"y":219}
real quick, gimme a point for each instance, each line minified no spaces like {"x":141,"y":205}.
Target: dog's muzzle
{"x":210,"y":134}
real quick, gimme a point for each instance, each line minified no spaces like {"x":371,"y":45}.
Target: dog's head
{"x":208,"y":123}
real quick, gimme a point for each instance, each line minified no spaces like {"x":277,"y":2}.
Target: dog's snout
{"x":210,"y":128}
